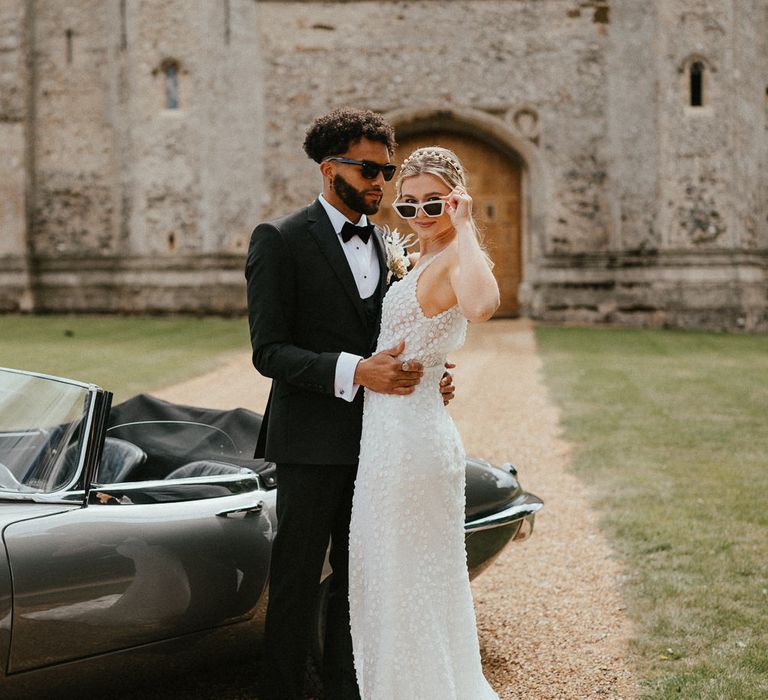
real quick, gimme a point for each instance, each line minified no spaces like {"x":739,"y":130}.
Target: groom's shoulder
{"x":289,"y":223}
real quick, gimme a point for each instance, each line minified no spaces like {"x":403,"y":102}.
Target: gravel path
{"x":551,"y":619}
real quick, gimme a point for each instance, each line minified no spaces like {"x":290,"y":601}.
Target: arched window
{"x":697,"y":85}
{"x":170,"y":70}
{"x":696,"y":81}
{"x":171,"y":85}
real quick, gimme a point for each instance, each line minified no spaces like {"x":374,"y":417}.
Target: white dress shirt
{"x":364,"y":264}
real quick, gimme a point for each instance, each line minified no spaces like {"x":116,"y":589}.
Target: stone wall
{"x":76,"y":197}
{"x":655,"y":211}
{"x":639,"y":207}
{"x":134,"y":206}
{"x":495,"y":57}
{"x":15,"y":292}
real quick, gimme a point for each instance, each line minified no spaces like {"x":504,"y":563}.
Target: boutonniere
{"x":395,"y":244}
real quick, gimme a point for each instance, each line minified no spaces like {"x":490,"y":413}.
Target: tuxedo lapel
{"x":321,"y":229}
{"x":383,"y":270}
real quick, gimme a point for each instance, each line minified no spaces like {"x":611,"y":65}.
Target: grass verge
{"x":126,"y":355}
{"x":671,"y":434}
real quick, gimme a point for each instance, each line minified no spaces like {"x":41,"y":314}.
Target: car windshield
{"x":41,"y":429}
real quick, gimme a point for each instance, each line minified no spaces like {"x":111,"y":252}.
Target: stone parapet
{"x":716,"y":290}
{"x":15,"y":294}
{"x":190,"y":284}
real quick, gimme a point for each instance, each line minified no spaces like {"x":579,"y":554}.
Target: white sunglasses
{"x":409,"y":210}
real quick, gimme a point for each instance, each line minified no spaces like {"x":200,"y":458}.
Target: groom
{"x":316,"y":279}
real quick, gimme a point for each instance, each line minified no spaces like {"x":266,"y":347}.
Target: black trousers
{"x":314,"y":504}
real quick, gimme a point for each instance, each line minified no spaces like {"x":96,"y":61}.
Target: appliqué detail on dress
{"x":413,"y":621}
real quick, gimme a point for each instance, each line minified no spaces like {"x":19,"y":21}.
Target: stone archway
{"x":503,"y":168}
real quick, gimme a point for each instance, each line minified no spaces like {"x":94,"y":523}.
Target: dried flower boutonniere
{"x":395,"y":244}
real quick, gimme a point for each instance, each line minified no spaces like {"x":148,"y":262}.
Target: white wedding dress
{"x":413,"y":621}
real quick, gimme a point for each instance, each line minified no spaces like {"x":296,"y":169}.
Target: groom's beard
{"x":353,"y":198}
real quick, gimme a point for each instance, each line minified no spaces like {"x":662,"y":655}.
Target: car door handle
{"x":242,"y":512}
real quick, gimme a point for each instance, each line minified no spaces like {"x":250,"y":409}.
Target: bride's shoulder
{"x":451,"y":257}
{"x":413,"y":258}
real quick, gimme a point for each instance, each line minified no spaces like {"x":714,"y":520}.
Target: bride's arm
{"x":477,"y":292}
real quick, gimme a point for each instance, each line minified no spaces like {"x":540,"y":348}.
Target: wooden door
{"x":494,"y":181}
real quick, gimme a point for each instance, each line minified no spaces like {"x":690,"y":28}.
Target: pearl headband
{"x":438,"y":155}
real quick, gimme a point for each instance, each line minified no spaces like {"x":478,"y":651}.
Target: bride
{"x":411,"y":611}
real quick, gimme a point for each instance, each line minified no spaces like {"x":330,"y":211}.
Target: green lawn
{"x":126,"y":355}
{"x":672,"y":436}
{"x":671,"y":431}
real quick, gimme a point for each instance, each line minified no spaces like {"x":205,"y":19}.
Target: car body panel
{"x":11,"y":512}
{"x":486,"y":536}
{"x":489,"y":488}
{"x":108,"y":577}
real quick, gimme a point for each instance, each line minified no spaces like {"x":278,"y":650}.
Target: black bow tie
{"x":349,"y":230}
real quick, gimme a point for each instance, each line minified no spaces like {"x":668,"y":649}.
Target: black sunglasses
{"x":368,"y":169}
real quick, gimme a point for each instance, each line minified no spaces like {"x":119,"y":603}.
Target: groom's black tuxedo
{"x":304,"y":309}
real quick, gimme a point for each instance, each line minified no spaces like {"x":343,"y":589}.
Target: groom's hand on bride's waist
{"x":386,"y":373}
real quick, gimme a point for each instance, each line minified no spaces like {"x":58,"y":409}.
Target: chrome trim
{"x":85,"y":441}
{"x":528,"y":507}
{"x":52,"y":377}
{"x":173,"y":490}
{"x":242,"y":512}
{"x":75,"y":497}
{"x":525,"y":531}
{"x":181,"y":481}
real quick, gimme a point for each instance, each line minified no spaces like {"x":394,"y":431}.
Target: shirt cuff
{"x":344,"y":386}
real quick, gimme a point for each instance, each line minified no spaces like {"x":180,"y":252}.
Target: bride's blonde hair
{"x":444,"y":164}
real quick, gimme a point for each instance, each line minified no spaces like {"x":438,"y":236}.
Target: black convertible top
{"x":173,"y":434}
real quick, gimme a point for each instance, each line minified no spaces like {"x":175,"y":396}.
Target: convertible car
{"x":142,"y":532}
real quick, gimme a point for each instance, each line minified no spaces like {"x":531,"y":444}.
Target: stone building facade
{"x":617,"y":148}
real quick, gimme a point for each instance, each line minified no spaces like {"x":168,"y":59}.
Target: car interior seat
{"x":118,"y":459}
{"x":207,"y":467}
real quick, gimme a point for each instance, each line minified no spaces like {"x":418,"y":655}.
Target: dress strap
{"x":420,"y":267}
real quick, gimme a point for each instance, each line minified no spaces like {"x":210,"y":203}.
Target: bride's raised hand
{"x":459,"y":205}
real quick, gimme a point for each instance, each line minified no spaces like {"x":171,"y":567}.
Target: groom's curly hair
{"x":332,"y":133}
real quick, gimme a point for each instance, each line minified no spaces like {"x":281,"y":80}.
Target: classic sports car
{"x":146,"y":529}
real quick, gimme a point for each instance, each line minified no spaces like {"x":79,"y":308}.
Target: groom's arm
{"x":271,"y":305}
